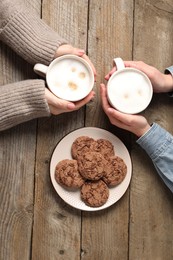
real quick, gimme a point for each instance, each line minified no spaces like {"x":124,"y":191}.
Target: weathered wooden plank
{"x":59,"y":231}
{"x":57,"y":226}
{"x":17,"y":163}
{"x":151,"y":224}
{"x":110,"y":36}
{"x":105,"y":234}
{"x":17,"y":159}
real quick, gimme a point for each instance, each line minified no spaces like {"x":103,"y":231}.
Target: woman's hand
{"x":134,"y":123}
{"x":68,"y":49}
{"x":160,"y":82}
{"x":58,"y":106}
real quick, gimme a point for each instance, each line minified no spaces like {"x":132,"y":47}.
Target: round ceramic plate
{"x":63,"y":151}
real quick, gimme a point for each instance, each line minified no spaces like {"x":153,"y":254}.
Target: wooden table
{"x":35,"y":223}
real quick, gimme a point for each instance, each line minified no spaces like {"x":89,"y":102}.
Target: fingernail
{"x":70,"y":106}
{"x":81,"y":51}
{"x":110,"y":110}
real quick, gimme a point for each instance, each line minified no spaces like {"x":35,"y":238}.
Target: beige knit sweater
{"x":34,"y":41}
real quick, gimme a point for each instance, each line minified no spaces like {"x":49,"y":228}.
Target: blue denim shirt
{"x":169,"y":70}
{"x":158,"y":144}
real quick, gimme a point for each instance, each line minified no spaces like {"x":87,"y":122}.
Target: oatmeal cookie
{"x":91,"y":165}
{"x":82,"y":145}
{"x":94,"y":193}
{"x":67,"y":174}
{"x":115,"y":172}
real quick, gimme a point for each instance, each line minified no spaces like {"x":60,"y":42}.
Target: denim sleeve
{"x":169,"y":70}
{"x":158,"y":144}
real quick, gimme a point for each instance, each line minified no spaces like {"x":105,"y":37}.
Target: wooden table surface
{"x":35,"y":223}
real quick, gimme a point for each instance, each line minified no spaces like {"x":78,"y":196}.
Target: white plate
{"x":63,"y":151}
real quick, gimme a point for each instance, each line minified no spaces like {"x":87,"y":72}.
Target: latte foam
{"x":70,"y":79}
{"x":129,"y":91}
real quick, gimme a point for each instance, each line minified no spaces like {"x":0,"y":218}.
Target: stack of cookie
{"x":94,"y":168}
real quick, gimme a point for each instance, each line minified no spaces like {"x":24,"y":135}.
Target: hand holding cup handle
{"x":129,"y":90}
{"x":69,"y":77}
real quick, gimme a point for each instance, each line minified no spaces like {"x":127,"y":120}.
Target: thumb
{"x":68,"y":49}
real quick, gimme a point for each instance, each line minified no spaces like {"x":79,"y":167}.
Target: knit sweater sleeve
{"x":28,"y":35}
{"x":21,"y":102}
{"x":33,"y":40}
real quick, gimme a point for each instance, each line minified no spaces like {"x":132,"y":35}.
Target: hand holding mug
{"x":79,"y":83}
{"x":128,"y":90}
{"x":136,"y":124}
{"x":160,"y":82}
{"x":68,"y":77}
{"x":69,"y":49}
{"x":58,"y":106}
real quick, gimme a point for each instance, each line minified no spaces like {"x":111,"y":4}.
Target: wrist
{"x":59,"y":50}
{"x":169,"y":82}
{"x":142,"y":131}
{"x":169,"y":78}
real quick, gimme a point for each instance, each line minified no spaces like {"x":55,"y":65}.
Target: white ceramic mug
{"x":129,"y":90}
{"x":69,"y":77}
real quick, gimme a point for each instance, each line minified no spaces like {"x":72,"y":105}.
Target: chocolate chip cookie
{"x":104,"y":147}
{"x":94,"y":193}
{"x":67,"y":174}
{"x":82,"y":145}
{"x":115,"y":172}
{"x":91,"y":165}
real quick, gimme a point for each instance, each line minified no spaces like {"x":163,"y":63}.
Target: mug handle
{"x":40,"y":69}
{"x":119,"y":63}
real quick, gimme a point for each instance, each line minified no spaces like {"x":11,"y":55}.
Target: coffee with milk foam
{"x":129,"y":91}
{"x":69,"y":79}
